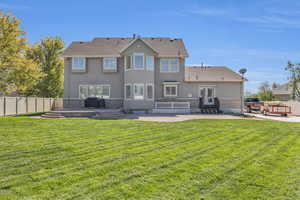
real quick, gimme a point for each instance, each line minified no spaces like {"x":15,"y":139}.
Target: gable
{"x":138,"y":46}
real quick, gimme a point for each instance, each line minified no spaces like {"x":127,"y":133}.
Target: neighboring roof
{"x":280,"y":92}
{"x":284,"y":89}
{"x":211,"y":74}
{"x":103,"y":47}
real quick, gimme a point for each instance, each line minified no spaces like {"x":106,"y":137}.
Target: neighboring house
{"x":140,"y":73}
{"x":284,"y":92}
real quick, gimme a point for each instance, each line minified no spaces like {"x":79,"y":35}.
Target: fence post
{"x":50,"y":104}
{"x":35,"y":103}
{"x":43,"y":104}
{"x":4,"y":106}
{"x":26,"y":104}
{"x":16,"y":105}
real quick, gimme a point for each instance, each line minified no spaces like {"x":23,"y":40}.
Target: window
{"x":150,"y":91}
{"x":128,"y":62}
{"x":78,"y":63}
{"x":150,"y":63}
{"x":110,"y":64}
{"x":138,"y":61}
{"x":100,"y":91}
{"x":128,"y":91}
{"x":138,"y":91}
{"x":83,"y":91}
{"x":170,"y":90}
{"x":169,"y":65}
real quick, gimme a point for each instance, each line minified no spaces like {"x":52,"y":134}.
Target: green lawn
{"x":123,"y":159}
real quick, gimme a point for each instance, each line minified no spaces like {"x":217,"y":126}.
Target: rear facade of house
{"x":146,"y":74}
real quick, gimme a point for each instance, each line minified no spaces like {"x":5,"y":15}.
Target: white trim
{"x":171,"y":85}
{"x":147,"y":84}
{"x":139,"y":84}
{"x":206,"y":92}
{"x":125,"y":62}
{"x":109,"y":90}
{"x":78,"y":69}
{"x":131,"y":90}
{"x":133,"y":59}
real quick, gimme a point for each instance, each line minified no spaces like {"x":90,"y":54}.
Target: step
{"x":51,"y":116}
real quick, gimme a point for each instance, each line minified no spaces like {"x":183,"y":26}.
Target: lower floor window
{"x":170,"y":90}
{"x":100,"y":91}
{"x":138,"y":91}
{"x":150,"y":91}
{"x":128,"y":91}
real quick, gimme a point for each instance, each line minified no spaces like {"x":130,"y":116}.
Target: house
{"x":141,"y":73}
{"x":284,"y":92}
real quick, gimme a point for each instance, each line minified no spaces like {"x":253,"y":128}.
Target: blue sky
{"x":260,"y":35}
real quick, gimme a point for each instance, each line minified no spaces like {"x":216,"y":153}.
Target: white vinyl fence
{"x":23,"y":105}
{"x":295,"y":106}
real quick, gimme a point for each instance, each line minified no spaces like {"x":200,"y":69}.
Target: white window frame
{"x":169,"y":65}
{"x":76,"y":68}
{"x":147,"y":84}
{"x":106,"y":68}
{"x":134,"y":94}
{"x":150,"y":68}
{"x":126,"y":61}
{"x":95,"y":85}
{"x":131,"y":90}
{"x":170,"y":85}
{"x":138,"y":54}
{"x":206,"y":88}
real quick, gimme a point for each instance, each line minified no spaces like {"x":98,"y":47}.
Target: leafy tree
{"x":17,"y":73}
{"x":274,"y":85}
{"x":265,"y":93}
{"x":294,"y":77}
{"x":47,"y":55}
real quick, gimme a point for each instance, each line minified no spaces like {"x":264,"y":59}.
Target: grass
{"x":123,"y":159}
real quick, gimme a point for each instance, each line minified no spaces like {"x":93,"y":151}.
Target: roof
{"x":211,"y":74}
{"x":104,"y":47}
{"x":284,"y":89}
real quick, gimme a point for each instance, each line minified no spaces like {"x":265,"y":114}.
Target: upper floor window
{"x":78,"y":63}
{"x":169,"y":65}
{"x":138,"y":61}
{"x":150,"y":63}
{"x":110,"y":64}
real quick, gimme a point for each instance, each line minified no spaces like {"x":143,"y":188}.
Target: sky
{"x":259,"y":35}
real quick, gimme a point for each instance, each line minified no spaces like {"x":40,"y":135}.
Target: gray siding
{"x":160,"y":77}
{"x":94,"y":75}
{"x":139,"y":76}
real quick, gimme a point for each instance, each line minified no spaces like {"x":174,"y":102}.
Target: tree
{"x":274,"y":85}
{"x":294,"y":77}
{"x":17,"y":73}
{"x":265,"y":93}
{"x":47,"y":55}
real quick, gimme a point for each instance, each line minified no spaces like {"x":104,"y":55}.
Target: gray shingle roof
{"x":101,"y":47}
{"x":211,"y":74}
